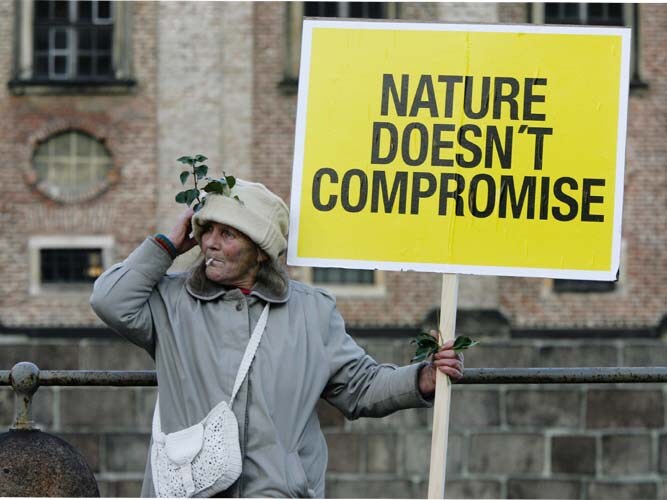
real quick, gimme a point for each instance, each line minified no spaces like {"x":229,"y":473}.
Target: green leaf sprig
{"x":428,"y":345}
{"x":221,"y":186}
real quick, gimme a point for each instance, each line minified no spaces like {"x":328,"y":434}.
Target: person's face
{"x":233,"y":259}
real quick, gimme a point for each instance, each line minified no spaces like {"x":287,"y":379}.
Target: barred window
{"x":67,"y":263}
{"x":604,"y":14}
{"x":70,"y":265}
{"x":73,"y":40}
{"x":368,"y":10}
{"x":72,"y":47}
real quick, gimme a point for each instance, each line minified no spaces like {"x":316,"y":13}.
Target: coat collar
{"x":274,"y":288}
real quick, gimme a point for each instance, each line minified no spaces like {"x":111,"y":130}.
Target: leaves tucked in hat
{"x":222,"y":186}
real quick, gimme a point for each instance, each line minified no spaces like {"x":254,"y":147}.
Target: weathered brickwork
{"x":237,"y":112}
{"x":127,"y":124}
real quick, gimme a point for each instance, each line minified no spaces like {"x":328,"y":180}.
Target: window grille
{"x":70,"y":265}
{"x":73,"y":40}
{"x":369,"y":10}
{"x":604,"y":14}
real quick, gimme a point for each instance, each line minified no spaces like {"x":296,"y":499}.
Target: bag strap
{"x":248,"y":357}
{"x":250,"y":352}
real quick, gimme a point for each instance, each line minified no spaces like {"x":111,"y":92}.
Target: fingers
{"x":187,"y":214}
{"x":448,"y":361}
{"x":452,"y":373}
{"x":446,"y":352}
{"x":180,"y":233}
{"x":452,"y":367}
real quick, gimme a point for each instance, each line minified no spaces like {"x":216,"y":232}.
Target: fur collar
{"x":272,"y":284}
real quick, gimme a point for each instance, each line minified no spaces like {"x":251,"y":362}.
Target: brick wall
{"x":189,"y":56}
{"x":127,"y":124}
{"x":235,"y":110}
{"x":583,"y":441}
{"x":507,"y":441}
{"x":641,"y":296}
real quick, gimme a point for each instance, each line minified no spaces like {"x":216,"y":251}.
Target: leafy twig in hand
{"x":428,"y":345}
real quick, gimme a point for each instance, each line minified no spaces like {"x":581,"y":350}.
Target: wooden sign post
{"x":502,"y":155}
{"x":443,"y":391}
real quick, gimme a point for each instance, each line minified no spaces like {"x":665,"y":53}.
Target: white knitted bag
{"x":204,"y":459}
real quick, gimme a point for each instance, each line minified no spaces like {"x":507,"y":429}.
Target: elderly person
{"x":196,"y":326}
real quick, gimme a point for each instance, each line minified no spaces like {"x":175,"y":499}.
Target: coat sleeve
{"x":359,"y":386}
{"x":121,"y":295}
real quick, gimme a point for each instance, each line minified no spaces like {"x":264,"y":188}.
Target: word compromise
{"x":446,"y":147}
{"x":480,"y":197}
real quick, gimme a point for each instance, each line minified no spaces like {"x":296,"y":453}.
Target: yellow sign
{"x":479,"y":149}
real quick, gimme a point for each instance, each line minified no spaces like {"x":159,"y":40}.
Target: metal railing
{"x":26,"y":378}
{"x":579,"y":375}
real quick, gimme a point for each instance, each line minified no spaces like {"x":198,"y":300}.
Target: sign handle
{"x":443,"y":391}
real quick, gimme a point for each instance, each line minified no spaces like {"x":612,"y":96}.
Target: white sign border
{"x":297,"y":168}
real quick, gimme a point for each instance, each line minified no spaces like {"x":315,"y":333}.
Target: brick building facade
{"x":219,"y":79}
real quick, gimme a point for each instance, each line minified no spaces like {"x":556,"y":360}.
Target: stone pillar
{"x":204,"y":96}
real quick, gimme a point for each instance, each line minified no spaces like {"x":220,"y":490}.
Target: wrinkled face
{"x":232,"y":259}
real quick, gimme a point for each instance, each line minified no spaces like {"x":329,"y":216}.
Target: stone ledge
{"x":58,"y":88}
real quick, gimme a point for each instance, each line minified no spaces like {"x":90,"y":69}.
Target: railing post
{"x":24,"y":378}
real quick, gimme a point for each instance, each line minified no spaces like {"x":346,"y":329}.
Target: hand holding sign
{"x":446,"y":360}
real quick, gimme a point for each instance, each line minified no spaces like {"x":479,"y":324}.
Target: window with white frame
{"x":296,"y":11}
{"x":71,"y":166}
{"x":62,"y":42}
{"x":595,"y":14}
{"x":67,"y":263}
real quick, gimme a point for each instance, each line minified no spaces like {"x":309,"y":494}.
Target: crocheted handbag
{"x":203,"y":459}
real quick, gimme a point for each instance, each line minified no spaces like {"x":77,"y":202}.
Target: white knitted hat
{"x":260,"y":215}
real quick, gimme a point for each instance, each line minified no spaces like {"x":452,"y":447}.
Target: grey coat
{"x":197,"y":335}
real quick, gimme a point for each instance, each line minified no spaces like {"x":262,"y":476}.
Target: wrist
{"x":426,"y":385}
{"x":166,"y":243}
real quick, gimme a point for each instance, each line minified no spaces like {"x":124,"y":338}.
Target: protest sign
{"x":478,"y":149}
{"x":481,"y":149}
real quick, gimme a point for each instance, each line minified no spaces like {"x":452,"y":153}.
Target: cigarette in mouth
{"x":209,"y":260}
